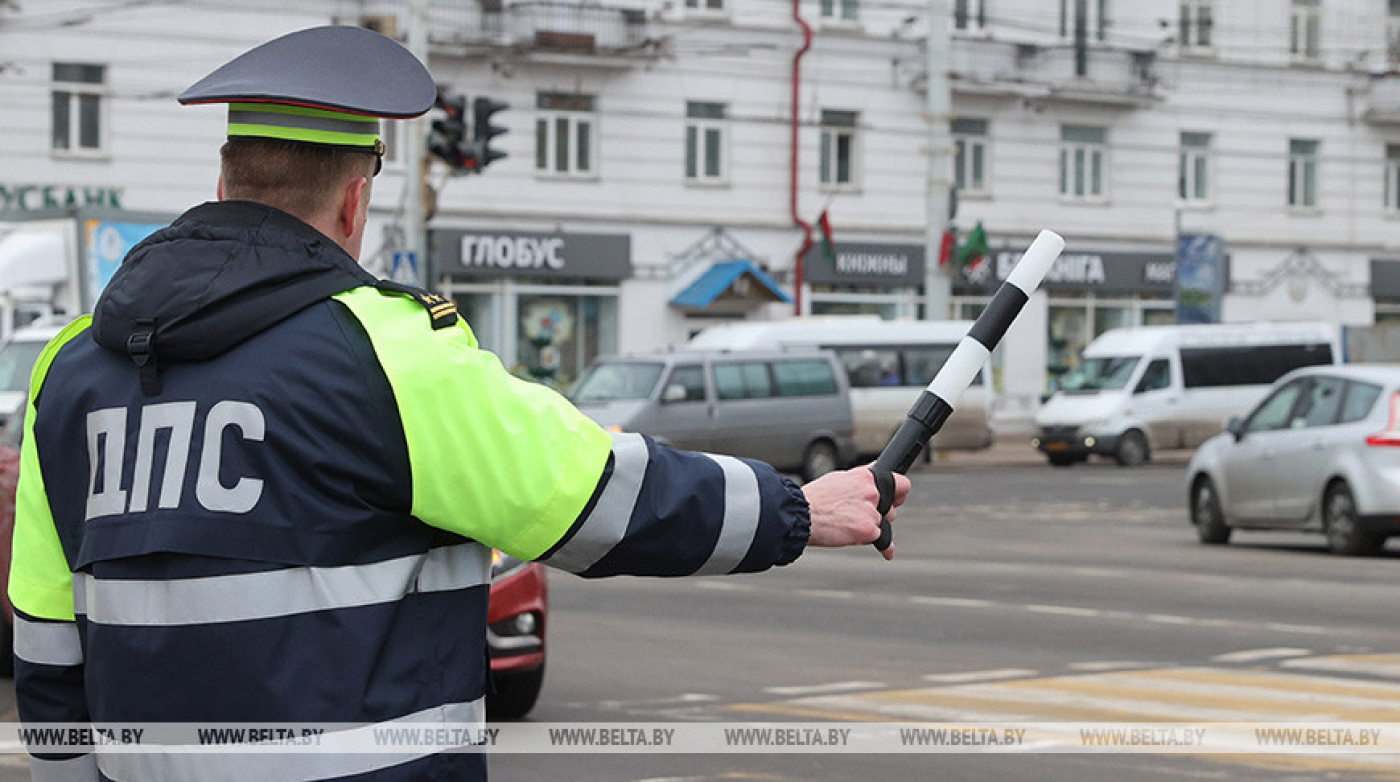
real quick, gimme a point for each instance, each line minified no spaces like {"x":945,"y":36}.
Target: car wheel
{"x":819,"y":460}
{"x":1206,"y":513}
{"x":1061,"y":459}
{"x":1343,"y":526}
{"x":1132,"y":449}
{"x":515,"y":694}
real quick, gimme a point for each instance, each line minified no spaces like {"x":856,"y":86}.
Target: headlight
{"x":503,"y":564}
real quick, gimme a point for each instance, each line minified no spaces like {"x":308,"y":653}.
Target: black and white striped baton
{"x":937,"y":401}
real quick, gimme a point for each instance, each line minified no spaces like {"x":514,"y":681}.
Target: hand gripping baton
{"x":936,"y":402}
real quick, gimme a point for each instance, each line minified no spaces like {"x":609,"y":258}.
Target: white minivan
{"x":888,"y":362}
{"x":1141,"y":389}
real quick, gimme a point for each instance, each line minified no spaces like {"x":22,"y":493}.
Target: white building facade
{"x":669,"y":162}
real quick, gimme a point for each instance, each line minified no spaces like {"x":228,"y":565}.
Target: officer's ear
{"x":354,"y":206}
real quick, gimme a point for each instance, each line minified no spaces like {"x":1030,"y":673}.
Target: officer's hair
{"x":302,"y":179}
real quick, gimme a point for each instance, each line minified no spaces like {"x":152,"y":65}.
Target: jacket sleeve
{"x":663,"y":512}
{"x":47,"y":645}
{"x":514,"y":465}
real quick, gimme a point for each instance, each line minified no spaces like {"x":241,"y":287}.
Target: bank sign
{"x":533,"y":255}
{"x":1105,"y":272}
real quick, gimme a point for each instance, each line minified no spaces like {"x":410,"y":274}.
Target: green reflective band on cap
{"x":301,"y":123}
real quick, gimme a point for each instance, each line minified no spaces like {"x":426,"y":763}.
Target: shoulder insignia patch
{"x":442,"y":312}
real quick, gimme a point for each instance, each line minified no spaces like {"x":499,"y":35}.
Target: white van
{"x":1137,"y":390}
{"x":17,"y":356}
{"x":889,"y":362}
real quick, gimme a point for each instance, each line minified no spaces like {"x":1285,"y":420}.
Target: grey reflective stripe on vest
{"x":274,"y":593}
{"x":741,"y":506}
{"x":79,"y":769}
{"x":338,"y":754}
{"x":48,"y":643}
{"x":607,"y":524}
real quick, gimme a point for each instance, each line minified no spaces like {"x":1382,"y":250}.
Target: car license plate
{"x":1057,"y":446}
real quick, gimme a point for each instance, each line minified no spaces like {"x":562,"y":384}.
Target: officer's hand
{"x":843,"y":507}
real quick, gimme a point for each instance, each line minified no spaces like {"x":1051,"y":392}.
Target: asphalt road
{"x":1019,"y":593}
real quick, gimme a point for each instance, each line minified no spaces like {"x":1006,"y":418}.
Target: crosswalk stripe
{"x":1386,"y":665}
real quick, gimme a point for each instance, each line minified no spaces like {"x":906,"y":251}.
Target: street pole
{"x":937,"y":283}
{"x":414,"y":138}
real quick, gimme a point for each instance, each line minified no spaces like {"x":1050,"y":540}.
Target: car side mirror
{"x":673,"y":393}
{"x":1235,"y":426}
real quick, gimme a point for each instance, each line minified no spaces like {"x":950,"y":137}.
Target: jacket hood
{"x":218,"y":275}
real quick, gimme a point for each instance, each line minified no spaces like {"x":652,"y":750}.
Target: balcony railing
{"x":1056,"y":71}
{"x":1382,"y":101}
{"x":546,"y":27}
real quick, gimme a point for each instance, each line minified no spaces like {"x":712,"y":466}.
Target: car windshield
{"x":617,"y":381}
{"x":1099,"y":374}
{"x":17,"y":362}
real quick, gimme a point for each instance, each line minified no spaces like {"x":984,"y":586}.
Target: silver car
{"x":1321,"y":453}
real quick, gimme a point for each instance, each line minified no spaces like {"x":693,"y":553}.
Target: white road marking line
{"x":819,"y":689}
{"x":837,"y":594}
{"x":980,"y":676}
{"x":1389,"y":669}
{"x":1062,"y":610}
{"x":723,"y":586}
{"x":1108,"y":665}
{"x":955,"y":602}
{"x":1253,"y":655}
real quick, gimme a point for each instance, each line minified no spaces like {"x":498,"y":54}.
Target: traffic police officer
{"x":260,"y":486}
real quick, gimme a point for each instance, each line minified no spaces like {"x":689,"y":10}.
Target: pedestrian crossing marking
{"x":1166,"y":695}
{"x":1385,"y":665}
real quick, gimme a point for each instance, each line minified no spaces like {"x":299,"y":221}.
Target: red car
{"x":515,"y":617}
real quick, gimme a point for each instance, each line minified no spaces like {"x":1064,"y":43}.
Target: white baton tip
{"x":1031,"y":269}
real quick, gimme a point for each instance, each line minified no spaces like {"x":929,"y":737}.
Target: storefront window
{"x":1106,"y":318}
{"x":482,"y":312}
{"x":1068,"y":334}
{"x":557,"y":335}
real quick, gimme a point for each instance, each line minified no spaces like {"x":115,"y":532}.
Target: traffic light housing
{"x":483,"y":131}
{"x":447,"y":140}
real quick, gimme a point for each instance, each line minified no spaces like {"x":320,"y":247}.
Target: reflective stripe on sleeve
{"x":741,"y":507}
{"x":337,"y":753}
{"x":80,"y":769}
{"x":275,"y":593}
{"x":47,"y":643}
{"x":606,"y":524}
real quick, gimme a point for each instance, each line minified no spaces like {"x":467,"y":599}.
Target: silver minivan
{"x":790,"y":408}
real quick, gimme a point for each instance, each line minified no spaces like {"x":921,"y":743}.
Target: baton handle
{"x":936,"y":402}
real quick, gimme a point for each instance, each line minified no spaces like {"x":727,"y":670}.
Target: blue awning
{"x":721,"y":277}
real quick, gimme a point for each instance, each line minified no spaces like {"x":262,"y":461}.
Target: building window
{"x":1305,"y":30}
{"x":77,"y":107}
{"x":1302,"y":173}
{"x":1082,"y":154}
{"x":970,"y":155}
{"x":1092,"y":15}
{"x":1193,"y":174}
{"x":1392,"y":177}
{"x":565,"y":144}
{"x":1196,"y":22}
{"x":1392,"y":34}
{"x":704,"y":142}
{"x":704,"y":5}
{"x":841,"y":10}
{"x":970,"y":14}
{"x":838,"y":149}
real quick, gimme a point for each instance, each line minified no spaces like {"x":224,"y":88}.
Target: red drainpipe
{"x":792,"y":189}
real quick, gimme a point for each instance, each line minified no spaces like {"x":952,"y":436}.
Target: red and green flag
{"x":828,"y":244}
{"x":975,"y":250}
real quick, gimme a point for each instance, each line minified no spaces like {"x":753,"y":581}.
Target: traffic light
{"x":483,"y":131}
{"x":448,"y":136}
